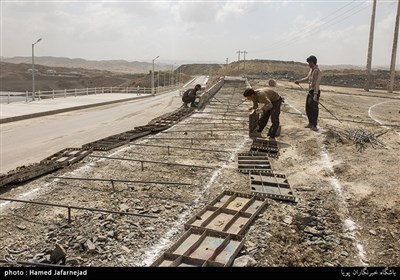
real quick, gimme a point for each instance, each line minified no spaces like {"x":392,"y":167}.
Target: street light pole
{"x":33,"y":68}
{"x":172,"y":73}
{"x":158,"y":79}
{"x":152,"y":76}
{"x":164,"y":79}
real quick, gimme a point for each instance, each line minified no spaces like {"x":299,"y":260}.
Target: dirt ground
{"x":347,"y":214}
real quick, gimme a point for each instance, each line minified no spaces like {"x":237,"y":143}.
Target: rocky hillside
{"x":18,"y":77}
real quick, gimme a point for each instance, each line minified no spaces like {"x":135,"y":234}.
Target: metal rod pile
{"x":360,"y":136}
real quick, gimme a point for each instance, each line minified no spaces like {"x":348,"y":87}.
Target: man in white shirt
{"x":312,"y":101}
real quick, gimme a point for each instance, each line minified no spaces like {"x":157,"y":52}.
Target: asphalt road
{"x":31,"y":140}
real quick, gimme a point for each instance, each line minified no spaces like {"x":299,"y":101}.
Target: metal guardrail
{"x":9,"y":96}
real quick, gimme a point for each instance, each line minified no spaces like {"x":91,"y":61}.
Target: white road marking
{"x":350,"y":227}
{"x":376,"y":119}
{"x":154,"y":251}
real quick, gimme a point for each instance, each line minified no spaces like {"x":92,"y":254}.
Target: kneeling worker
{"x":189,"y":96}
{"x":272,"y":108}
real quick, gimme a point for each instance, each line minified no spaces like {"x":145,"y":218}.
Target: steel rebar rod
{"x":220,"y":113}
{"x":202,"y":130}
{"x":151,"y":161}
{"x":183,"y":148}
{"x":77,"y":207}
{"x":121,"y":181}
{"x":194,"y":139}
{"x":206,"y":118}
{"x":217,"y":100}
{"x":218,"y":105}
{"x":210,"y":123}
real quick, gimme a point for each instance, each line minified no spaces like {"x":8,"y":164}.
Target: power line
{"x":314,"y":27}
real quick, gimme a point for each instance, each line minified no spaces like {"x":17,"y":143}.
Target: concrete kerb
{"x":205,"y":96}
{"x":58,"y":111}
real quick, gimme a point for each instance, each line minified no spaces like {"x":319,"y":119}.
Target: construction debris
{"x":360,"y":136}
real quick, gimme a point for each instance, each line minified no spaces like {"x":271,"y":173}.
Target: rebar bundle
{"x":360,"y":136}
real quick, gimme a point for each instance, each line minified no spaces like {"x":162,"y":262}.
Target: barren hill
{"x":122,"y":66}
{"x":17,"y":77}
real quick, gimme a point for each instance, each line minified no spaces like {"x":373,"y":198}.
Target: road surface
{"x":31,"y":140}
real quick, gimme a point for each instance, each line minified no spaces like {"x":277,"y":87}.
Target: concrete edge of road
{"x":58,"y":111}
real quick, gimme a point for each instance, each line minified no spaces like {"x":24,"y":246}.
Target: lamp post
{"x":158,"y":80}
{"x":164,"y":79}
{"x":152,"y":76}
{"x":172,"y":73}
{"x":33,"y":68}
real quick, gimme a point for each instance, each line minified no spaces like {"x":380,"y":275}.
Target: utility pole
{"x":172,"y":73}
{"x":33,"y":68}
{"x":182,"y":75}
{"x":394,"y":50}
{"x":370,"y":44}
{"x":244,"y":59}
{"x":158,"y":80}
{"x":226,"y":62}
{"x":238,"y":52}
{"x":164,"y":79}
{"x":152,"y":76}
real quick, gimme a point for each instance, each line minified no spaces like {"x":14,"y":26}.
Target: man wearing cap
{"x":189,"y":96}
{"x":314,"y":79}
{"x":271,"y":108}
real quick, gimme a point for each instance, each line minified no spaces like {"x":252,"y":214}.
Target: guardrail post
{"x":87,"y":91}
{"x":39,"y":95}
{"x":111,"y":89}
{"x":8,"y":98}
{"x":95,"y":90}
{"x":102,"y":90}
{"x":26,"y":96}
{"x":65,"y":93}
{"x":144,"y":90}
{"x":53,"y":93}
{"x":127,"y":89}
{"x":75,"y":92}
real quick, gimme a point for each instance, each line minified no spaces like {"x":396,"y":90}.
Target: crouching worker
{"x":271,"y":108}
{"x":189,"y":96}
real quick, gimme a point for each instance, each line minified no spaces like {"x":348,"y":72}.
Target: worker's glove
{"x":259,"y":110}
{"x":315,"y":98}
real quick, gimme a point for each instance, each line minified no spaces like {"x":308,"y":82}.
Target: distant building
{"x":51,"y":72}
{"x":30,"y":70}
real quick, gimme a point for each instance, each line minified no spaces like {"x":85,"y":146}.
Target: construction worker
{"x":190,"y":96}
{"x":314,"y":79}
{"x":271,"y":108}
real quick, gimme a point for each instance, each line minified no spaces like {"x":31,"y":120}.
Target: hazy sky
{"x":336,"y":32}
